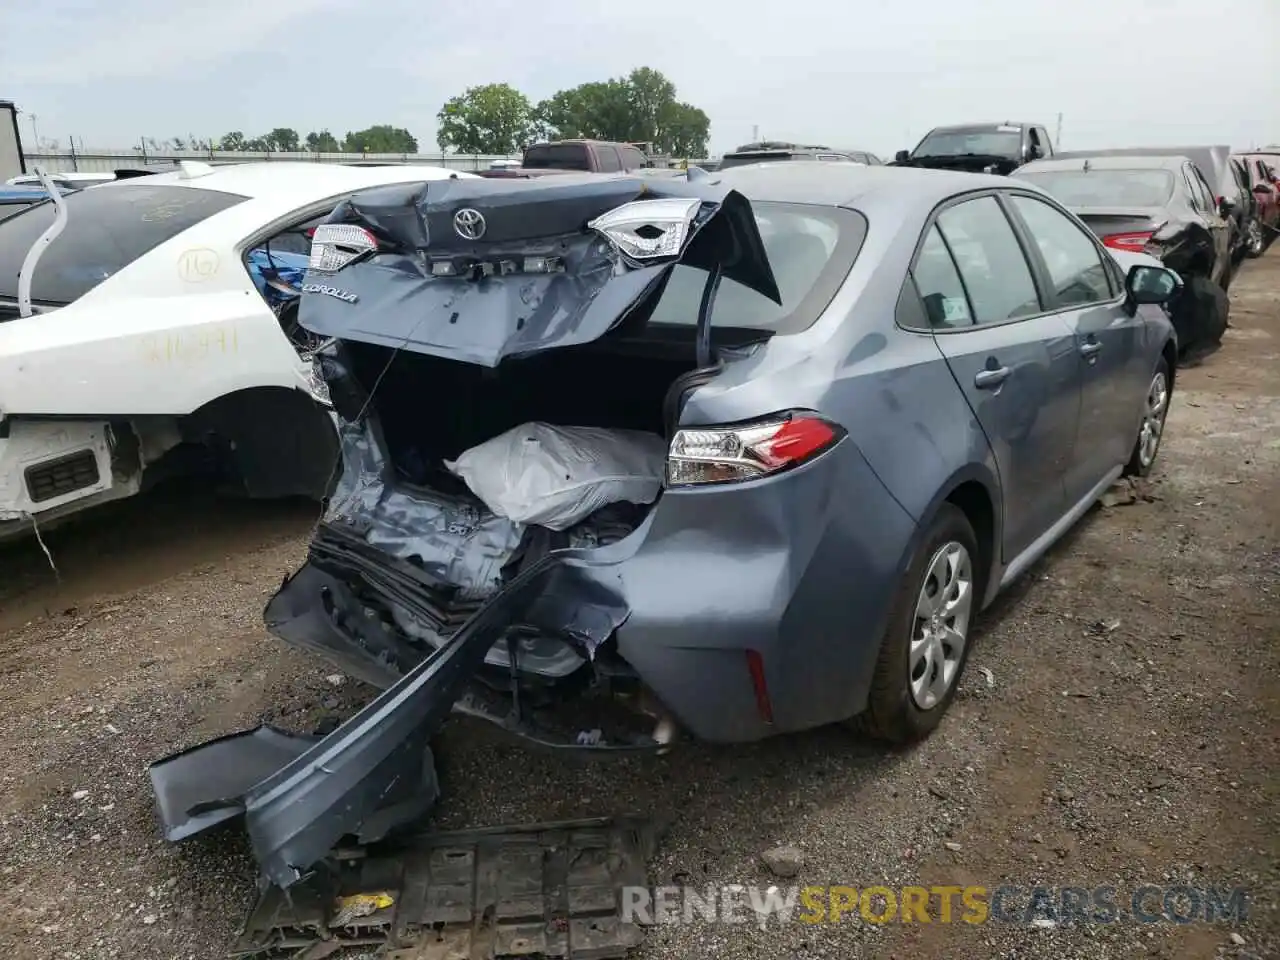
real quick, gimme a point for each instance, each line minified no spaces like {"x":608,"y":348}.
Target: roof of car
{"x":299,"y":179}
{"x":1104,"y":163}
{"x":843,"y":184}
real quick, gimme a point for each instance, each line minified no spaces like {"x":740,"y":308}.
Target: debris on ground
{"x":551,"y":890}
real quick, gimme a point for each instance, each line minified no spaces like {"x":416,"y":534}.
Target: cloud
{"x":145,"y":39}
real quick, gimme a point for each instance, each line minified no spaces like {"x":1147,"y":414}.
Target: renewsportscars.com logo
{"x":1033,"y":906}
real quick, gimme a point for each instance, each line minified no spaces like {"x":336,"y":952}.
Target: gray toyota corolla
{"x":750,"y":450}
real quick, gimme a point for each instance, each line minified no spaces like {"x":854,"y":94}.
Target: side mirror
{"x":1034,"y":152}
{"x":1225,"y":206}
{"x":1264,"y":189}
{"x":1145,"y":284}
{"x":902,"y":156}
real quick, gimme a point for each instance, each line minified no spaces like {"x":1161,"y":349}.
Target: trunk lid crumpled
{"x":479,"y":314}
{"x":484,"y":306}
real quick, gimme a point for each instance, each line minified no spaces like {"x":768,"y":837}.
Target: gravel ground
{"x":1117,"y":725}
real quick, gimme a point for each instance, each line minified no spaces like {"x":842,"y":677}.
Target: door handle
{"x":990,"y":378}
{"x":1090,"y":348}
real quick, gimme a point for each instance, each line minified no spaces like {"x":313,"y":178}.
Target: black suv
{"x":979,"y":147}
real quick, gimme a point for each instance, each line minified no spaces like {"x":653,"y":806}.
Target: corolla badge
{"x":334,"y":292}
{"x":469,"y":224}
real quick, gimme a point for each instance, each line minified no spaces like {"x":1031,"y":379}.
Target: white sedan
{"x":153,"y":333}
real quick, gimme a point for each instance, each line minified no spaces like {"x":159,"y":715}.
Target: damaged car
{"x":148,"y":327}
{"x":746,"y":452}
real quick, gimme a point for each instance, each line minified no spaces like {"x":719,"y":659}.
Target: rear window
{"x":811,"y":250}
{"x":1104,"y":188}
{"x":742,"y":159}
{"x":107,"y":228}
{"x":565,"y":156}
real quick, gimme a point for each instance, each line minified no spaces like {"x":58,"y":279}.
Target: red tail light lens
{"x":1133,"y":242}
{"x":725,"y":454}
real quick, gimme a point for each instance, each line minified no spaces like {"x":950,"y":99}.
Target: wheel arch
{"x":279,"y":441}
{"x":975,"y":491}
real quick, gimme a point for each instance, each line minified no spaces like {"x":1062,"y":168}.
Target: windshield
{"x":1104,"y":188}
{"x":811,"y":250}
{"x":107,"y":229}
{"x":563,"y":156}
{"x":992,"y":141}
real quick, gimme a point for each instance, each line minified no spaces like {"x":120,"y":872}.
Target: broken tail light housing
{"x":727,"y":454}
{"x":646,"y":230}
{"x":338,"y":245}
{"x":1130,"y":242}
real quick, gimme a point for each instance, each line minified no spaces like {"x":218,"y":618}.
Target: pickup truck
{"x":573,"y":156}
{"x":979,"y":147}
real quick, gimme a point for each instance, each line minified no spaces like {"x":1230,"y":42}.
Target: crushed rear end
{"x":478,"y":329}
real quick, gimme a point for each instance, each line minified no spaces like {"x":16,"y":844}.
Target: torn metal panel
{"x":205,"y":785}
{"x":548,"y":890}
{"x":456,"y":540}
{"x":478,"y":270}
{"x":296,"y":815}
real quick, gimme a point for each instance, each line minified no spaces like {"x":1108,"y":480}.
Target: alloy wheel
{"x":940,"y":628}
{"x":1157,"y":406}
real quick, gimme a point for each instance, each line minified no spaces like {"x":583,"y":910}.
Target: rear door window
{"x":107,"y":229}
{"x":939,"y":285}
{"x":607,"y":159}
{"x":995,"y":272}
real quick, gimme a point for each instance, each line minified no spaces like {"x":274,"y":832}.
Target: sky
{"x":845,"y":73}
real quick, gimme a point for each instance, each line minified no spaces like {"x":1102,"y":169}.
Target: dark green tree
{"x":495,"y":119}
{"x":639,"y":108}
{"x":322,"y":141}
{"x":382,"y":138}
{"x":234,"y":140}
{"x":284,"y":139}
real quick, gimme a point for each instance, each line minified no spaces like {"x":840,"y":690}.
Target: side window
{"x":991,"y":263}
{"x":1045,"y":143}
{"x":1193,"y":191}
{"x":938,"y":283}
{"x":632,"y":159}
{"x":1202,"y":188}
{"x":607,"y":159}
{"x":1075,"y":266}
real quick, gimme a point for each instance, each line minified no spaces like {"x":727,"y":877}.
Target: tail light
{"x":336,"y":245}
{"x":1132,"y":242}
{"x":724,"y":454}
{"x":648,"y":229}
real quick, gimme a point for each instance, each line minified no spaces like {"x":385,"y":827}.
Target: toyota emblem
{"x":469,"y":223}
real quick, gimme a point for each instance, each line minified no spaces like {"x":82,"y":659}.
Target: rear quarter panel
{"x":816,"y":571}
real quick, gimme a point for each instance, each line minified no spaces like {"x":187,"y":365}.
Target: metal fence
{"x":105,"y":161}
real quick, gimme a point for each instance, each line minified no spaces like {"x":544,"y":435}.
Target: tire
{"x":1155,"y":411}
{"x":897,"y":712}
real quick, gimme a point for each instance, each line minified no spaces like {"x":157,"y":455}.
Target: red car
{"x":1263,"y":170}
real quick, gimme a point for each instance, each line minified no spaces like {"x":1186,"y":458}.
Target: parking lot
{"x":1117,"y":723}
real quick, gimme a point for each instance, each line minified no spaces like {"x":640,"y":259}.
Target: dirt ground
{"x":1118,"y":724}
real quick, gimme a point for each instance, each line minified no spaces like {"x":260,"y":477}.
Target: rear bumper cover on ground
{"x":340,"y":785}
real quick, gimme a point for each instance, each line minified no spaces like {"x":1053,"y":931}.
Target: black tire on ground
{"x":1135,"y":466}
{"x":891,"y":714}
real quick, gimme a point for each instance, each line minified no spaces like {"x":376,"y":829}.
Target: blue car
{"x":749,"y":450}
